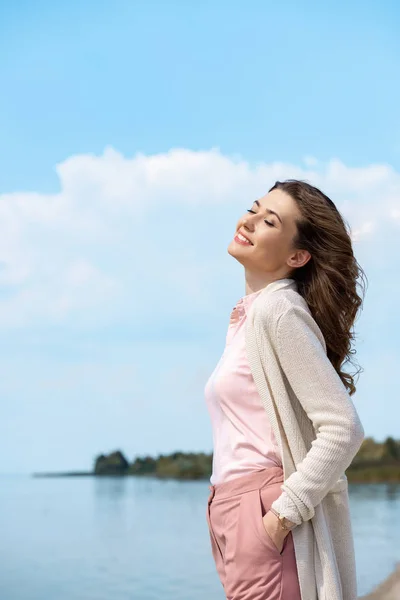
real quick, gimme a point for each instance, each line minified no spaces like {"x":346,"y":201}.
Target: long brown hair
{"x":331,"y":280}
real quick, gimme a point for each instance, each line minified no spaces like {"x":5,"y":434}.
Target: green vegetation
{"x":179,"y":465}
{"x":113,"y":464}
{"x":375,"y":462}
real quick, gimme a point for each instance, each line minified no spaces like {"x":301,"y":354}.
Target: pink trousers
{"x":248,"y":563}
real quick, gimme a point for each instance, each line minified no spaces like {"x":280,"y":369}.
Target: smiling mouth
{"x":240,"y":239}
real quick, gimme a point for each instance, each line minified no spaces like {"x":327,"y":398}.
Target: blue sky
{"x":132,"y":137}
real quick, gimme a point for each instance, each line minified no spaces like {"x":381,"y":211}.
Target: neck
{"x":256,"y":281}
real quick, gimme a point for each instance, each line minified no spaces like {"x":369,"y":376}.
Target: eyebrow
{"x":269,"y":211}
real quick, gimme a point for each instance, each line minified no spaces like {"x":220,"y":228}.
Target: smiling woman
{"x":284,"y":426}
{"x":305,"y":238}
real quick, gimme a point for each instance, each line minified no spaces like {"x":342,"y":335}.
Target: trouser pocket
{"x":215,"y":548}
{"x":264,"y":499}
{"x":257,"y":566}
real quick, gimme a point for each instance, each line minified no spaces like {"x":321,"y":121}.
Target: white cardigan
{"x":318,"y":432}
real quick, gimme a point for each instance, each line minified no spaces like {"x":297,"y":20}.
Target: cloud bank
{"x":124,"y":229}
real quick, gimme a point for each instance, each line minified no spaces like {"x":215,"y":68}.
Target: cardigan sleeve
{"x":324,"y":398}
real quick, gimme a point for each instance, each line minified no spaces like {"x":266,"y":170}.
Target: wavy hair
{"x":332,"y":280}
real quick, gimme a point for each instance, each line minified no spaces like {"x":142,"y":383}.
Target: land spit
{"x":388,"y":590}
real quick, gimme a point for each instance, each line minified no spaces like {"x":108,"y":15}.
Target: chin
{"x":234,"y":250}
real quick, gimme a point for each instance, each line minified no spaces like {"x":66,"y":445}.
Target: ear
{"x":298,"y":259}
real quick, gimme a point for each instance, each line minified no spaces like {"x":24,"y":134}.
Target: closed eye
{"x":265,"y":221}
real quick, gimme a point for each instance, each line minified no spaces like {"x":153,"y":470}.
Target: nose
{"x":247,"y":225}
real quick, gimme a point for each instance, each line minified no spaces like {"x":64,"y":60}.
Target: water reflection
{"x":110,"y":488}
{"x":393,"y":491}
{"x":372,"y":491}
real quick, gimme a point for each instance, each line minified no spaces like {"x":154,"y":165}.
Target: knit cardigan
{"x":318,"y":432}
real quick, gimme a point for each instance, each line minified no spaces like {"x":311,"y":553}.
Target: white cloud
{"x":123,"y":230}
{"x":310,"y":161}
{"x":363,"y":231}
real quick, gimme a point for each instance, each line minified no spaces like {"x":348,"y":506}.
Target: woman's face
{"x":270,"y":228}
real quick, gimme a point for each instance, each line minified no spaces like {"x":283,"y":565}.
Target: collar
{"x":280,"y":283}
{"x":243,"y":305}
{"x":248,"y":300}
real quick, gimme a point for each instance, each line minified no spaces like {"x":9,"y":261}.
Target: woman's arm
{"x":325,"y":400}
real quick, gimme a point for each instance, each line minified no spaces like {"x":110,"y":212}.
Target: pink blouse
{"x":242,"y":435}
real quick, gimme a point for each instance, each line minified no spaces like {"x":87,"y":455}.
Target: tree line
{"x":375,"y":462}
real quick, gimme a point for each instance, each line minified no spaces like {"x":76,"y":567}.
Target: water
{"x":144,"y":539}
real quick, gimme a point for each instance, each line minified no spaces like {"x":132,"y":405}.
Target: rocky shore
{"x":388,"y":590}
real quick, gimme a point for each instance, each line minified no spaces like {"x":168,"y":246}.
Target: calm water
{"x":143,"y":539}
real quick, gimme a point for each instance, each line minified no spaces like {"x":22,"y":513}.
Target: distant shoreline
{"x":166,"y":477}
{"x":93,"y":474}
{"x":66,"y":474}
{"x":375,"y":462}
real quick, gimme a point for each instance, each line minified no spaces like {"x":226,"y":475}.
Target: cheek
{"x":268,"y":241}
{"x":272,"y":244}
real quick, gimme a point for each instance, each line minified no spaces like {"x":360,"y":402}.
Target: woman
{"x":284,"y":425}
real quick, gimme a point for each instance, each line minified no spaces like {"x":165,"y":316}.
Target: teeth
{"x":241,"y":237}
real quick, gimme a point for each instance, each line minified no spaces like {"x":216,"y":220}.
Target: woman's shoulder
{"x":284,"y":313}
{"x":275,"y":301}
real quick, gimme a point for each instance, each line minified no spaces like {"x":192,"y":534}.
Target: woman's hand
{"x":274,"y":530}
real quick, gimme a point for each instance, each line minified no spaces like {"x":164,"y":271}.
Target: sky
{"x":133,"y":135}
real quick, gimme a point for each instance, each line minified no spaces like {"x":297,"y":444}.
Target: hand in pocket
{"x":274,"y":530}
